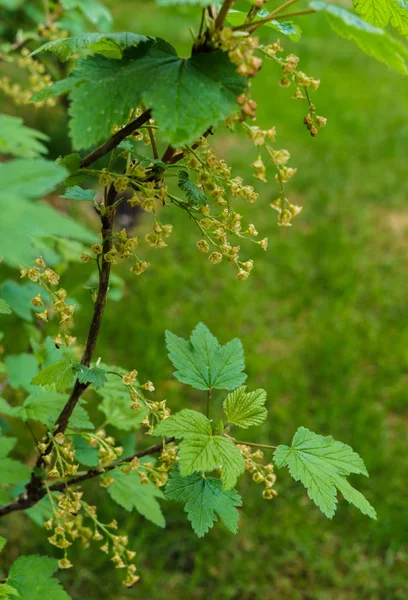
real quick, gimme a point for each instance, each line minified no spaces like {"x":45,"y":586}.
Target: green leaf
{"x":19,"y":295}
{"x":6,"y":445}
{"x":32,"y":578}
{"x":46,"y":406}
{"x":382,"y":12}
{"x":108,"y":44}
{"x":7,"y":592}
{"x":21,"y":370}
{"x":84,"y":453}
{"x":321,"y":464}
{"x":4,"y":307}
{"x":29,"y":178}
{"x":42,"y":511}
{"x":116,"y":403}
{"x":104,"y":90}
{"x":78,"y":193}
{"x":245,"y":409}
{"x":194,"y":195}
{"x":129,"y":492}
{"x":373,"y":41}
{"x":288,"y":28}
{"x":59,"y":375}
{"x":203,"y":363}
{"x":3,"y":542}
{"x":204,"y":500}
{"x":18,"y":140}
{"x":96,"y":376}
{"x":22,"y":181}
{"x":12,"y":471}
{"x":95,"y":12}
{"x":201,"y":450}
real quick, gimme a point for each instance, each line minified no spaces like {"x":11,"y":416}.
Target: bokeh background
{"x":323,"y":320}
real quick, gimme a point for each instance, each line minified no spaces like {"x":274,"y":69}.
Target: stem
{"x":115,"y":140}
{"x":27,"y":500}
{"x":272,"y":15}
{"x":252,"y":444}
{"x":298,"y":13}
{"x":151,"y":136}
{"x":176,"y":157}
{"x":208,"y":403}
{"x":219,"y":21}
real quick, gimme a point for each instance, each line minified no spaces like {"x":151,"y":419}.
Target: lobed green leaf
{"x":245,"y":409}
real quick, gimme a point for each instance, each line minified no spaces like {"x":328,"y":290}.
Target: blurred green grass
{"x":323,"y":322}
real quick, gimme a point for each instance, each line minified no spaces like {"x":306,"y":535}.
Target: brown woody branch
{"x":30,"y":499}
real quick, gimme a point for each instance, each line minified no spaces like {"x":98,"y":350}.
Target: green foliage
{"x":203,"y":363}
{"x":371,"y":40}
{"x":95,"y":376}
{"x":78,"y":193}
{"x":107,"y":44}
{"x":11,"y":471}
{"x":204,"y":500}
{"x":21,"y":369}
{"x":18,"y":140}
{"x":94,"y":11}
{"x":3,"y":542}
{"x":245,"y":409}
{"x":7,"y":592}
{"x":201,"y":450}
{"x":32,"y":577}
{"x":382,"y":12}
{"x":18,"y":297}
{"x":45,"y":406}
{"x":128,"y":491}
{"x":104,"y":90}
{"x":23,"y":180}
{"x":59,"y":376}
{"x":322,"y":464}
{"x":194,"y":195}
{"x":4,"y":307}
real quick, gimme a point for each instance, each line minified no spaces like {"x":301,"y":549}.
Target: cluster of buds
{"x":285,"y":210}
{"x":156,"y":412}
{"x":56,"y":302}
{"x":241,"y":48}
{"x":108,"y":451}
{"x":260,"y":473}
{"x":156,"y":238}
{"x":301,"y":81}
{"x":37,"y":79}
{"x":61,"y":458}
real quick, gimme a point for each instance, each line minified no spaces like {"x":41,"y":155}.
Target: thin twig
{"x":219,"y":21}
{"x":115,"y":140}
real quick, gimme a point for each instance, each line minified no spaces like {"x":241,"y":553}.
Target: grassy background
{"x":323,"y":322}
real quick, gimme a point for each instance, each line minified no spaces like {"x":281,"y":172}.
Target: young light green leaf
{"x":382,"y":12}
{"x":78,"y":193}
{"x":203,"y":363}
{"x":103,"y":90}
{"x":204,"y":500}
{"x":21,"y":369}
{"x":4,"y":307}
{"x":322,"y":464}
{"x":200,"y":450}
{"x":7,"y":592}
{"x":288,"y":28}
{"x":245,"y":409}
{"x":373,"y":41}
{"x":129,"y":492}
{"x":95,"y":376}
{"x":32,"y":577}
{"x":60,"y":375}
{"x":195,"y":196}
{"x":107,"y":44}
{"x":18,"y":140}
